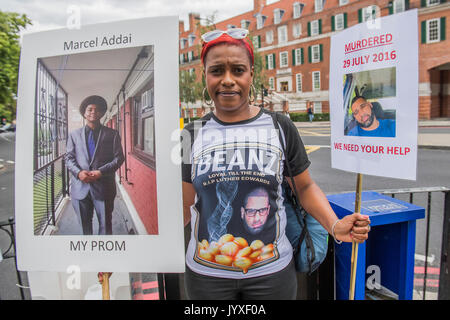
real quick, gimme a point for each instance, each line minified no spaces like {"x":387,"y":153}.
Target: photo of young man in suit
{"x":94,"y":153}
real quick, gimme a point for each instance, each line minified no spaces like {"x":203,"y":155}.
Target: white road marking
{"x":422,"y":258}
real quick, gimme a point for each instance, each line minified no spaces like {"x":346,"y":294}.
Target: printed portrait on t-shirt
{"x":238,"y":211}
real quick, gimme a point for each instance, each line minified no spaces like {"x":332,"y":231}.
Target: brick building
{"x":294,"y":39}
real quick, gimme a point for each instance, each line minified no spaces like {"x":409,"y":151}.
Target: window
{"x":369,"y":13}
{"x":190,"y":56}
{"x":257,"y":41}
{"x":271,"y":83}
{"x":343,"y":2}
{"x":297,"y":56}
{"x":277,"y":15}
{"x":318,"y":5}
{"x":231,"y":26}
{"x":269,"y":37}
{"x":316,"y":80}
{"x":245,"y":24}
{"x":314,"y":28}
{"x":433,"y":30}
{"x":181,"y":58}
{"x":315,"y":53}
{"x":284,"y":86}
{"x":339,"y":22}
{"x":260,"y":19}
{"x":298,"y":82}
{"x":433,"y":2}
{"x":317,"y":106}
{"x":298,"y":8}
{"x":284,"y":59}
{"x":433,"y":27}
{"x":282,"y":34}
{"x":270,"y":61}
{"x":183,"y":43}
{"x":191,"y":39}
{"x":296,"y":30}
{"x":144,"y":125}
{"x":398,"y":6}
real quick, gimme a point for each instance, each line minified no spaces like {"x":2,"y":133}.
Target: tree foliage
{"x":10,"y":25}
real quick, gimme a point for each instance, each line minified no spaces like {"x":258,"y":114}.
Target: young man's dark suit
{"x":107,"y":158}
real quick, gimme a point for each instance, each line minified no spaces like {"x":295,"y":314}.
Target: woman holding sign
{"x":233,"y":166}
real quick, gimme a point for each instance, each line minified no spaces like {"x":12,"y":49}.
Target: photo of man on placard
{"x":94,"y":153}
{"x":94,"y":140}
{"x":368,"y":125}
{"x":370,"y":103}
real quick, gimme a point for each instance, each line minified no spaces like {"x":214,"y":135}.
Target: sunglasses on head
{"x":235,"y":33}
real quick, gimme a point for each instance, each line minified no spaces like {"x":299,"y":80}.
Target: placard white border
{"x":144,"y":253}
{"x":403,"y":27}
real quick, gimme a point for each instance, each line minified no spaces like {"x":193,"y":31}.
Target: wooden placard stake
{"x":354,"y":258}
{"x":105,"y":285}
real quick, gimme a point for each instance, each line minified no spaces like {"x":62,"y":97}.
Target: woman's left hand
{"x":354,"y":227}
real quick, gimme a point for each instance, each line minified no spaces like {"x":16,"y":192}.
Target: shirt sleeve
{"x":296,"y":153}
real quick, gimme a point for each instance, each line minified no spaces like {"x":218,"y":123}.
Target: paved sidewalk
{"x":425,"y":140}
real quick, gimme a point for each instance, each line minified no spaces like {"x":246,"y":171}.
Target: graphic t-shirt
{"x":386,"y":128}
{"x":238,"y":219}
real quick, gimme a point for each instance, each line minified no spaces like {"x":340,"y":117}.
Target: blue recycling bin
{"x":389,"y":250}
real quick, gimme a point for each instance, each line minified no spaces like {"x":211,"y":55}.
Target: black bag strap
{"x":305,"y":235}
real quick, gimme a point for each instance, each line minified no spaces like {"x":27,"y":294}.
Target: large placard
{"x":374,"y":97}
{"x":107,"y":199}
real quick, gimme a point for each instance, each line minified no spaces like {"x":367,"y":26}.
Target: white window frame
{"x":272,"y":83}
{"x":269,"y":36}
{"x":438,"y":27}
{"x":431,"y":3}
{"x":318,"y":5}
{"x":260,"y":19}
{"x":256,"y":41}
{"x":297,"y":10}
{"x":339,"y":17}
{"x":191,"y":39}
{"x":317,"y":106}
{"x":190,"y":56}
{"x":270,"y":62}
{"x":284,"y":59}
{"x":182,"y":43}
{"x":181,"y":58}
{"x":315,"y":53}
{"x":144,"y":100}
{"x":277,"y":15}
{"x":369,"y":13}
{"x":298,"y":56}
{"x":297,"y":30}
{"x":313,"y":77}
{"x":282,"y":34}
{"x":298,"y":82}
{"x":314,"y":25}
{"x":245,"y":24}
{"x":398,"y":6}
{"x":343,"y":2}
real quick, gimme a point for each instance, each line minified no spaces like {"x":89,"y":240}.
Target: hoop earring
{"x":209,"y":103}
{"x":252,"y":94}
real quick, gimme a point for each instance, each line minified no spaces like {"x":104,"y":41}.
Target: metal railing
{"x":49,"y":189}
{"x":50,"y":180}
{"x":444,"y":276}
{"x":10,"y":252}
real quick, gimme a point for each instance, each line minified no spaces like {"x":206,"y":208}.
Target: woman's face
{"x":228,"y":77}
